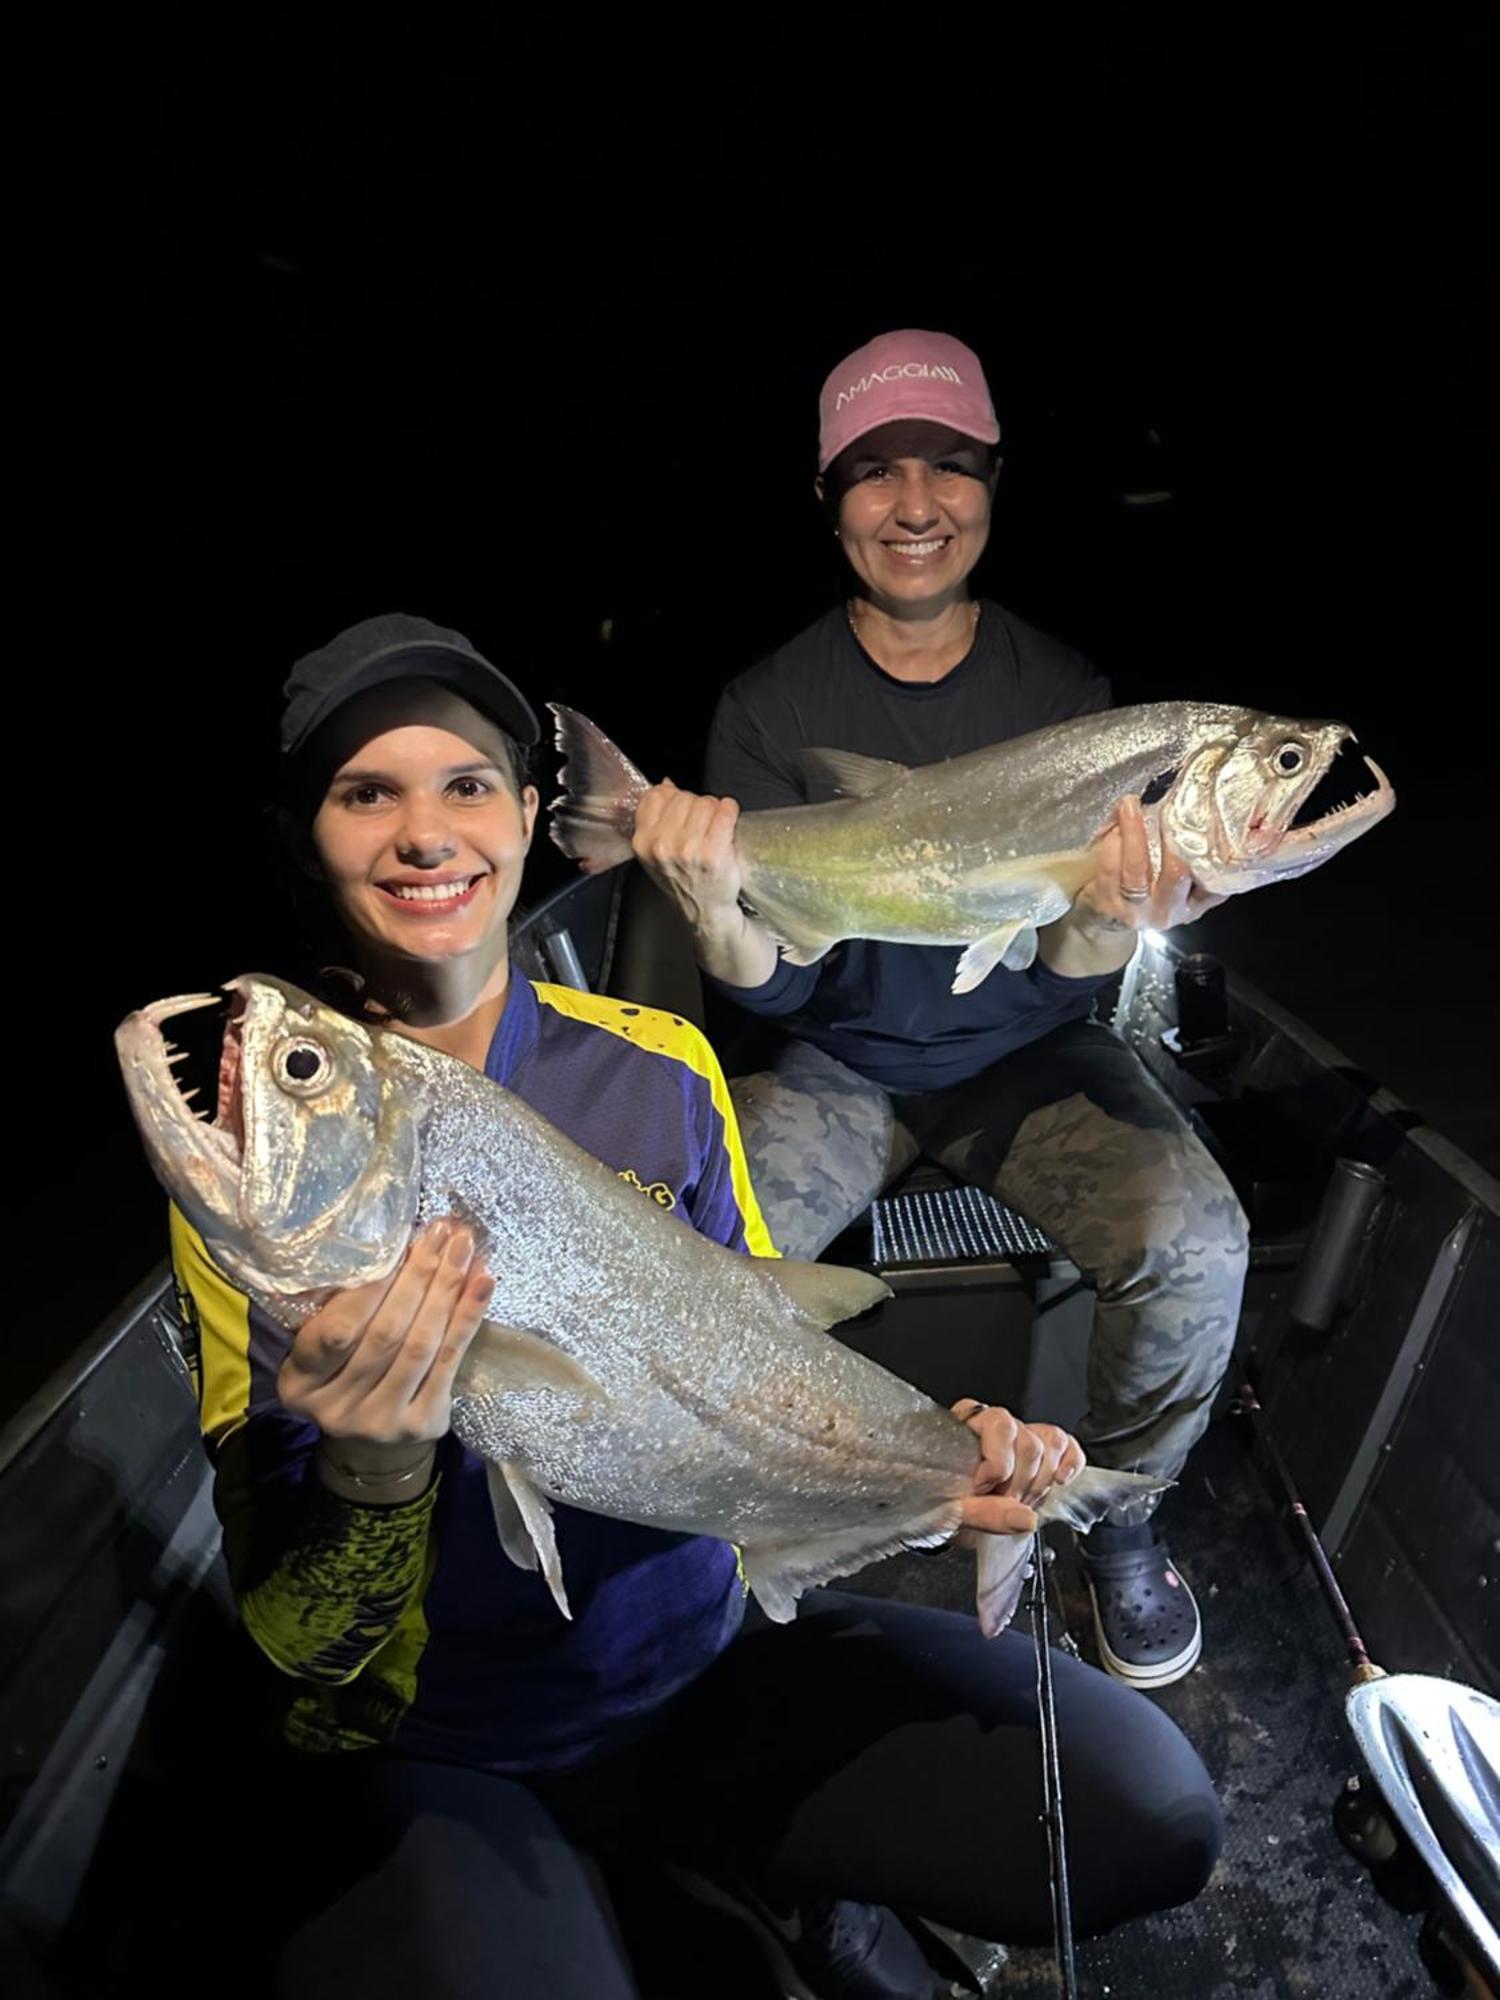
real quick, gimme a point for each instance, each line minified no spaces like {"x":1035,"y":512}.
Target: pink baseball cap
{"x":903,"y":375}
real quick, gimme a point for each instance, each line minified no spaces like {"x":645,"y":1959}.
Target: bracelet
{"x":373,"y":1481}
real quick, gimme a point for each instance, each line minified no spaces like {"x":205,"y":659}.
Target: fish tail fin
{"x":1005,"y":1561}
{"x":1004,"y":1565}
{"x":593,"y":818}
{"x":1099,"y":1490}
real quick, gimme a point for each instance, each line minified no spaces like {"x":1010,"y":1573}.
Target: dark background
{"x":521,"y":328}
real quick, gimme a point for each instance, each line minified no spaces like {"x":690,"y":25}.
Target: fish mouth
{"x":159,"y":1078}
{"x":1337,"y":805}
{"x":199,"y":1156}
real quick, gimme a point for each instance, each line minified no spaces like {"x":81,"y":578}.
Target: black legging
{"x":871,"y":1750}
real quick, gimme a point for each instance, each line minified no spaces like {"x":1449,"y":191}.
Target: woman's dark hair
{"x":520,"y":755}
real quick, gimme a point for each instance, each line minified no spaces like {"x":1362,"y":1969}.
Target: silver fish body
{"x":981,"y":850}
{"x":628,"y":1366}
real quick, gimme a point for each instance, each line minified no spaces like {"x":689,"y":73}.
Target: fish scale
{"x":627,"y":1365}
{"x":984,"y":849}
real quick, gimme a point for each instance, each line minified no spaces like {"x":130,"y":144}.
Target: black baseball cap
{"x":393,"y":648}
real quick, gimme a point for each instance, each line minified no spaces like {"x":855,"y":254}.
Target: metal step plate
{"x":951,"y":1226}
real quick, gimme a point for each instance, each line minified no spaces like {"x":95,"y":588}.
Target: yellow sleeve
{"x":324,"y":1586}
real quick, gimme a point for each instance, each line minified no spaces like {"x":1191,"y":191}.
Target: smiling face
{"x":914,"y":512}
{"x":421,"y":841}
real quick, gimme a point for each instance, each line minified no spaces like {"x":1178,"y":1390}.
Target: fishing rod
{"x":1052,"y":1802}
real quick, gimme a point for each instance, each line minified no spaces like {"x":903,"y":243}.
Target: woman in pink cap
{"x":1011,"y":1087}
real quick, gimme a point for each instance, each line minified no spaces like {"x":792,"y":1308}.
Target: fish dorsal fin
{"x":824,"y":1293}
{"x":855,"y":776}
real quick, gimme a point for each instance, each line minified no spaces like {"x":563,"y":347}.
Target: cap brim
{"x":490,"y":691}
{"x":913,"y":411}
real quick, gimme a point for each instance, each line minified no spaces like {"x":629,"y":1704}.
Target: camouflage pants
{"x":1075,"y":1133}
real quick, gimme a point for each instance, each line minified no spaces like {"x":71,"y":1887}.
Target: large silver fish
{"x":983,"y":849}
{"x":628,"y":1365}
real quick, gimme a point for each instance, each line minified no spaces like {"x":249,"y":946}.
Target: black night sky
{"x":520,"y":327}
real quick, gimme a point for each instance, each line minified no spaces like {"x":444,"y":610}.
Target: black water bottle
{"x":1202,"y":1002}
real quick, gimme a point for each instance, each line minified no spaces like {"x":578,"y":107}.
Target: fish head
{"x":307,"y":1178}
{"x":1244,"y":813}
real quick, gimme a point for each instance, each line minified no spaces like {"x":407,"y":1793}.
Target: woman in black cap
{"x":454,"y":1750}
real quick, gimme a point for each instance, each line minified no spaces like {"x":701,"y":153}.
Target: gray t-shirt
{"x":887,"y":1009}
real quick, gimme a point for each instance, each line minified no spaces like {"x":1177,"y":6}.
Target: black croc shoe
{"x":1145,"y":1617}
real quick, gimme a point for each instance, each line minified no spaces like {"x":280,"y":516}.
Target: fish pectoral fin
{"x":506,"y":1361}
{"x":806,"y":954}
{"x":509,"y":1521}
{"x":1012,"y":945}
{"x":823,"y":1293}
{"x":1005,"y":1560}
{"x":523,"y":1516}
{"x":855,"y":776}
{"x":502,"y":1359}
{"x":778,"y":1573}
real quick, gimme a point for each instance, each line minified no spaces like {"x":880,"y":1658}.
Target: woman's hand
{"x":686,"y":845}
{"x":374,"y":1367}
{"x":1122,"y":897}
{"x":1127,"y":894}
{"x":1018,"y":1465}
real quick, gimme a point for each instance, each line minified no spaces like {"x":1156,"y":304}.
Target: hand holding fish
{"x":1019,"y":1465}
{"x":625,"y":1364}
{"x":686,"y":844}
{"x":1126,"y":894}
{"x":374,"y":1367}
{"x":988,"y":850}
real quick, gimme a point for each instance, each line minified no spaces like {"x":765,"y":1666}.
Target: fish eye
{"x":303,"y":1066}
{"x":1290,"y":758}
